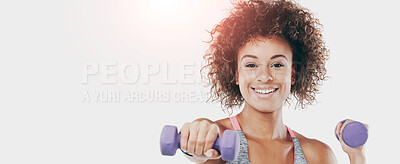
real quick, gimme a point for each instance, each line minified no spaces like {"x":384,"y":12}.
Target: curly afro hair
{"x":282,"y":18}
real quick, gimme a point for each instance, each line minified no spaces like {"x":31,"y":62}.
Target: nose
{"x":263,"y":74}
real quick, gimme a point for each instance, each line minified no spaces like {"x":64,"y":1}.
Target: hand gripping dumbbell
{"x":227,"y":145}
{"x":354,"y":134}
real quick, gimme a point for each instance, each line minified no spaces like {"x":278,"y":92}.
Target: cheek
{"x":284,"y":80}
{"x":246,"y":76}
{"x":282,"y":77}
{"x":244,"y":80}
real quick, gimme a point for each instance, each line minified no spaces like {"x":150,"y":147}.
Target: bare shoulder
{"x":316,"y":151}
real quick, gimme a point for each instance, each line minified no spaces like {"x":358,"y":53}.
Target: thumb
{"x":338,"y":131}
{"x":212,"y":154}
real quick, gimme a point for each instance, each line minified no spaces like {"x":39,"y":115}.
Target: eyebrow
{"x":273,"y":57}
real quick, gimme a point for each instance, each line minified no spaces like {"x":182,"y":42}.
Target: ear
{"x":293,"y":77}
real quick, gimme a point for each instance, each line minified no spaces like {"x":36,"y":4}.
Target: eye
{"x":251,"y":65}
{"x":277,"y":65}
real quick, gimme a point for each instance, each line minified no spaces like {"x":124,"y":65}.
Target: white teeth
{"x":264,"y":91}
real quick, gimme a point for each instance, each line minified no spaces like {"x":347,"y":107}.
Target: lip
{"x":264,"y":95}
{"x":264,"y":87}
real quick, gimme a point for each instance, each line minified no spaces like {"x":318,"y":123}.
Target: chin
{"x":265,"y":107}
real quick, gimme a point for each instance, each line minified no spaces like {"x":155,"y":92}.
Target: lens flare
{"x":159,"y":7}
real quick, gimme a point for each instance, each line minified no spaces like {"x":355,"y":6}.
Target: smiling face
{"x":265,"y":73}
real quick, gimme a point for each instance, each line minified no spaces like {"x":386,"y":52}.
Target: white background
{"x":45,"y":44}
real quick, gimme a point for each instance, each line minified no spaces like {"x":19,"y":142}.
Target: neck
{"x":262,"y":125}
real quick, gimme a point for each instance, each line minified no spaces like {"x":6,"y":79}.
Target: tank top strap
{"x":235,"y":123}
{"x":290,"y":132}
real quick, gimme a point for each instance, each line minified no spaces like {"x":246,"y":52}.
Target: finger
{"x":338,"y":126}
{"x":338,"y":130}
{"x":344,"y":124}
{"x":184,"y":136}
{"x":201,"y":137}
{"x":211,"y":137}
{"x":194,"y":131}
{"x":212,"y":154}
{"x":339,"y":133}
{"x":367,"y":126}
{"x":342,"y":143}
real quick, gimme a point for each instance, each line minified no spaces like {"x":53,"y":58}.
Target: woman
{"x":263,"y":54}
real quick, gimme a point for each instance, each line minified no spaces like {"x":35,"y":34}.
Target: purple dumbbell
{"x":227,"y":145}
{"x":354,"y":134}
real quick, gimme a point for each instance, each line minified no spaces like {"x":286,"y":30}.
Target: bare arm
{"x":317,"y":152}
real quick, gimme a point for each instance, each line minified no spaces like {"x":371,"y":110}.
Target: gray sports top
{"x":243,"y":157}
